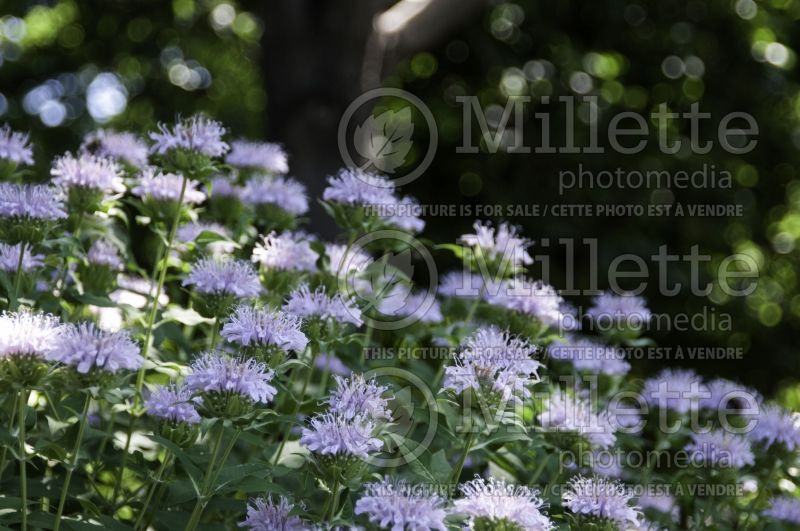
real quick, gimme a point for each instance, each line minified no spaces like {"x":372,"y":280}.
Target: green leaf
{"x":440,"y":467}
{"x":185,"y":316}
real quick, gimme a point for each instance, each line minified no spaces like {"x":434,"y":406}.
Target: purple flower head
{"x":601,"y":498}
{"x":31,"y":201}
{"x":721,"y":449}
{"x":265,"y":515}
{"x":397,"y":505}
{"x":784,"y":509}
{"x":679,"y":390}
{"x":119,"y":145}
{"x":104,"y":253}
{"x":172,"y":403}
{"x":196,"y":133}
{"x":343,"y":262}
{"x":189,"y":232}
{"x":461,"y":284}
{"x":775,"y":425}
{"x":261,"y":327}
{"x":306,"y":303}
{"x":493,"y":360}
{"x":591,"y":356}
{"x":15,"y":147}
{"x":166,"y":187}
{"x":223,"y":276}
{"x":355,"y":396}
{"x":404,"y":215}
{"x":565,"y":412}
{"x":331,"y":363}
{"x":215,"y":372}
{"x":258,"y":155}
{"x":284,"y":192}
{"x":356,"y":187}
{"x":287,"y":251}
{"x":9,"y":258}
{"x":331,"y":434}
{"x":87,"y":171}
{"x":220,"y":187}
{"x":625,"y":309}
{"x":29,"y":334}
{"x":494,"y":502}
{"x":726,"y":394}
{"x":501,"y":245}
{"x":399,"y":301}
{"x":533,"y":298}
{"x":86,"y":347}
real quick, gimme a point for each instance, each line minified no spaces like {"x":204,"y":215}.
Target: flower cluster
{"x":262,"y":156}
{"x":395,"y":505}
{"x":15,"y":146}
{"x":287,"y":251}
{"x":167,"y":187}
{"x":218,"y":373}
{"x":261,"y":327}
{"x":118,"y":145}
{"x":496,"y":364}
{"x":89,"y":348}
{"x":286,"y":193}
{"x":259,"y":353}
{"x":196,"y":133}
{"x":88,"y":171}
{"x":173,"y":403}
{"x":307,"y":304}
{"x":356,"y":188}
{"x":223,"y":276}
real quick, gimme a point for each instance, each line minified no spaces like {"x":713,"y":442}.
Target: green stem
{"x":225,"y":456}
{"x":474,"y":307}
{"x":152,"y":490}
{"x":214,"y":334}
{"x":539,"y":470}
{"x":334,"y":498}
{"x":460,"y":466}
{"x":107,"y":434}
{"x":74,"y":462}
{"x":13,"y":302}
{"x":151,"y":320}
{"x":5,"y":448}
{"x":197,"y":512}
{"x":22,"y":403}
{"x":306,"y":382}
{"x":62,"y":276}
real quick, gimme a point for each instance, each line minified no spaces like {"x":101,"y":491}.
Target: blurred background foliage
{"x":266,"y":70}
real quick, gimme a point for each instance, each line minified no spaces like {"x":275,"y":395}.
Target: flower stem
{"x":5,"y":448}
{"x":287,"y":431}
{"x":197,"y":512}
{"x":151,"y":320}
{"x":62,"y":276}
{"x":74,"y":462}
{"x":334,"y":499}
{"x":152,"y":490}
{"x":460,"y":466}
{"x":13,"y":302}
{"x":22,"y":403}
{"x":214,"y":333}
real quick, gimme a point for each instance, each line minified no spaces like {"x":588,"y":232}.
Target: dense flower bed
{"x":244,"y":372}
